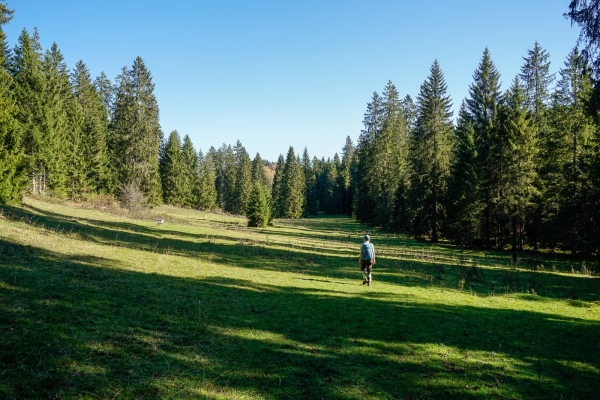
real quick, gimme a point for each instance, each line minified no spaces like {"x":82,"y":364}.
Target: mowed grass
{"x":95,"y":305}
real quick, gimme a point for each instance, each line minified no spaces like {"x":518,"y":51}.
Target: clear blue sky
{"x":279,"y":73}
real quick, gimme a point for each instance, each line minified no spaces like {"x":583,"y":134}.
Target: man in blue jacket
{"x":366,"y":260}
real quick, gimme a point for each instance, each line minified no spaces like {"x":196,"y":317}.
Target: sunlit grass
{"x":96,"y":305}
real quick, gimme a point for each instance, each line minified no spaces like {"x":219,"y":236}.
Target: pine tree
{"x":464,"y":185}
{"x":430,"y":148}
{"x":258,"y":208}
{"x":190,"y":168}
{"x":483,"y":106}
{"x":172,"y":171}
{"x":292,"y":187}
{"x":136,"y":131}
{"x":13,"y":165}
{"x":206,"y":193}
{"x":311,"y":202}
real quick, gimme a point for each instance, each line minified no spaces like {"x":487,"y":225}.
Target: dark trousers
{"x":366,"y":266}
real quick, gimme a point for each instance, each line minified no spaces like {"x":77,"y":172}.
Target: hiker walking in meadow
{"x":367,"y":260}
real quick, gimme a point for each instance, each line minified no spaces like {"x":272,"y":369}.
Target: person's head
{"x":367,"y":238}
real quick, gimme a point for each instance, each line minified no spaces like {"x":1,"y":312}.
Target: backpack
{"x":367,"y":251}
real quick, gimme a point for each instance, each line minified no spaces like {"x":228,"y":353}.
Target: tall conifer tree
{"x":243,"y":180}
{"x":572,"y":145}
{"x":430,"y":147}
{"x":345,"y":173}
{"x":206,"y":193}
{"x":311,"y":202}
{"x":463,"y":207}
{"x":190,"y":168}
{"x":136,"y":130}
{"x":93,"y":129}
{"x":277,"y":191}
{"x":389,"y":149}
{"x":13,"y":165}
{"x":364,"y":201}
{"x":483,"y":105}
{"x":172,"y":171}
{"x":259,"y":177}
{"x":292,"y":187}
{"x":519,"y":184}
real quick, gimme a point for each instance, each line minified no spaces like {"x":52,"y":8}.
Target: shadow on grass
{"x":343,"y":264}
{"x":80,"y":327}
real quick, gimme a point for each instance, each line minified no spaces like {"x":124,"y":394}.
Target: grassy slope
{"x":94,"y":305}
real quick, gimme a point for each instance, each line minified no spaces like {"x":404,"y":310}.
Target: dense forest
{"x":517,"y":167}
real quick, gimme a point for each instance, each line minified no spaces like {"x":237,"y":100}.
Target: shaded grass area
{"x":216,"y":314}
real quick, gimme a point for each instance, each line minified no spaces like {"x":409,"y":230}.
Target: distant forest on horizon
{"x":517,"y":168}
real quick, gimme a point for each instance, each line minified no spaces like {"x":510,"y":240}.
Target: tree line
{"x":518,"y":167}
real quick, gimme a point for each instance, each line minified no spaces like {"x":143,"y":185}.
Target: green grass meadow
{"x":99,"y":306}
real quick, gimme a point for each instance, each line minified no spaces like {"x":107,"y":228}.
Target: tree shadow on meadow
{"x":78,"y":326}
{"x":323,"y":263}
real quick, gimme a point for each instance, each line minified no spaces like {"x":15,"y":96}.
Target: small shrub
{"x":132,"y":197}
{"x":258,"y":208}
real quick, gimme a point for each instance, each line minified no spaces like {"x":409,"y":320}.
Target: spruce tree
{"x":258,"y":208}
{"x":29,"y":84}
{"x":92,"y":118}
{"x":225,"y":166}
{"x":243,"y":180}
{"x":292,"y":187}
{"x":277,"y":193}
{"x":330,"y":193}
{"x":136,"y":131}
{"x":13,"y":165}
{"x":105,"y":90}
{"x":59,"y":109}
{"x":363,"y":199}
{"x":388,"y":162}
{"x":409,"y":112}
{"x":345,"y":175}
{"x":463,"y":184}
{"x":259,"y":177}
{"x":430,"y":155}
{"x":172,"y":171}
{"x":518,"y":188}
{"x":206,"y":190}
{"x":483,"y":105}
{"x":190,"y":169}
{"x":536,"y":77}
{"x":572,"y":145}
{"x":311,"y":202}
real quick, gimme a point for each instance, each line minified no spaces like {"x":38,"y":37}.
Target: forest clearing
{"x":97,"y":305}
